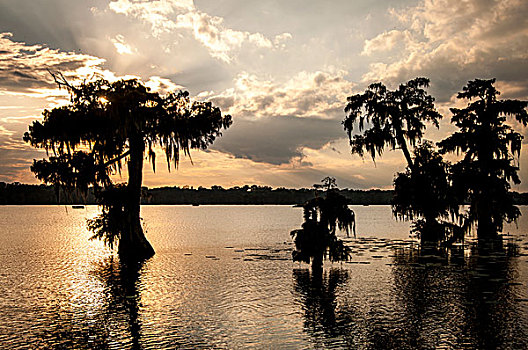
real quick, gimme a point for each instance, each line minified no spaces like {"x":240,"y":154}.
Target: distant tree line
{"x":257,"y":195}
{"x":24,"y":194}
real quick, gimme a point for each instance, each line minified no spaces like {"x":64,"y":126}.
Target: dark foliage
{"x":424,"y":194}
{"x":389,"y":118}
{"x":396,"y":119}
{"x":490,"y":149}
{"x":13,"y":193}
{"x":90,"y":138}
{"x":317,"y":239}
{"x":108,"y":226}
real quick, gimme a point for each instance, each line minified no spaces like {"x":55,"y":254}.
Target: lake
{"x":222,"y":278}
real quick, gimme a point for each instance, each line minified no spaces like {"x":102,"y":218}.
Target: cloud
{"x":15,"y":156}
{"x":28,"y":88}
{"x":169,"y":16}
{"x":306,"y":95}
{"x":121,"y":46}
{"x":4,"y":132}
{"x":277,"y":140}
{"x":24,"y":69}
{"x":275,"y":121}
{"x":385,"y":41}
{"x":281,"y":39}
{"x":162,"y":85}
{"x":454,"y":41}
{"x":350,"y":170}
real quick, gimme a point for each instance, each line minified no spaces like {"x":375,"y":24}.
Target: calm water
{"x":223,"y":278}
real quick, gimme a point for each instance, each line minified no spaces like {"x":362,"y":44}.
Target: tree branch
{"x":60,"y":80}
{"x":116,"y":159}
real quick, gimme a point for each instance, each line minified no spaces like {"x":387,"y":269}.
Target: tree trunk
{"x":432,"y":233}
{"x":486,"y":229}
{"x":133,"y":244}
{"x":317,"y":263}
{"x":403,"y":144}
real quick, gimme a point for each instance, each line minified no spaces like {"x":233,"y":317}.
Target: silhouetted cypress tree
{"x":390,"y":118}
{"x":489,"y":148}
{"x":396,"y":119}
{"x":424,"y":194}
{"x":109,"y":123}
{"x":317,"y":239}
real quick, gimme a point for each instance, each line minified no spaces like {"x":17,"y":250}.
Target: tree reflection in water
{"x":327,"y":323}
{"x":111,"y":316}
{"x":461,"y":298}
{"x":122,"y":294}
{"x":454,"y":302}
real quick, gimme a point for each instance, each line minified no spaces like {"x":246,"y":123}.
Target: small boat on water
{"x":80,"y":206}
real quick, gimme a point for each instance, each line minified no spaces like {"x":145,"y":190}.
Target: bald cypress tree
{"x":108,"y":125}
{"x":381,"y":118}
{"x":425,"y":195}
{"x":316,"y":240}
{"x":489,"y":148}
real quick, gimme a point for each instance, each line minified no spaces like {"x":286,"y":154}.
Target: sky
{"x":282,"y":69}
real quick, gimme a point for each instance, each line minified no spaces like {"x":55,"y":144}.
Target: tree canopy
{"x":425,"y":195}
{"x":91,"y":137}
{"x":397,"y":119}
{"x":389,"y":118}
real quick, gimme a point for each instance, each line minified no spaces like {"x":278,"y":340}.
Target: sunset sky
{"x":282,"y":69}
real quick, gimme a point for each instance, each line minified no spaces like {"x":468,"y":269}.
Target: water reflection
{"x":493,"y":299}
{"x":59,"y":291}
{"x":122,"y":297}
{"x":111,"y":312}
{"x":463,"y":298}
{"x":327,"y":323}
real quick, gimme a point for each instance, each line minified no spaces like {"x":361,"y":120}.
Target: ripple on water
{"x":235,"y":287}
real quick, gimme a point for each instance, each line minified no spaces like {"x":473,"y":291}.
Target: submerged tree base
{"x":135,"y":247}
{"x":136,"y":252}
{"x":121,"y":226}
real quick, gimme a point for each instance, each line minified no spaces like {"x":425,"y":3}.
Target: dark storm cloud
{"x":198,"y":78}
{"x":15,"y":80}
{"x":277,"y":140}
{"x":274,"y":121}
